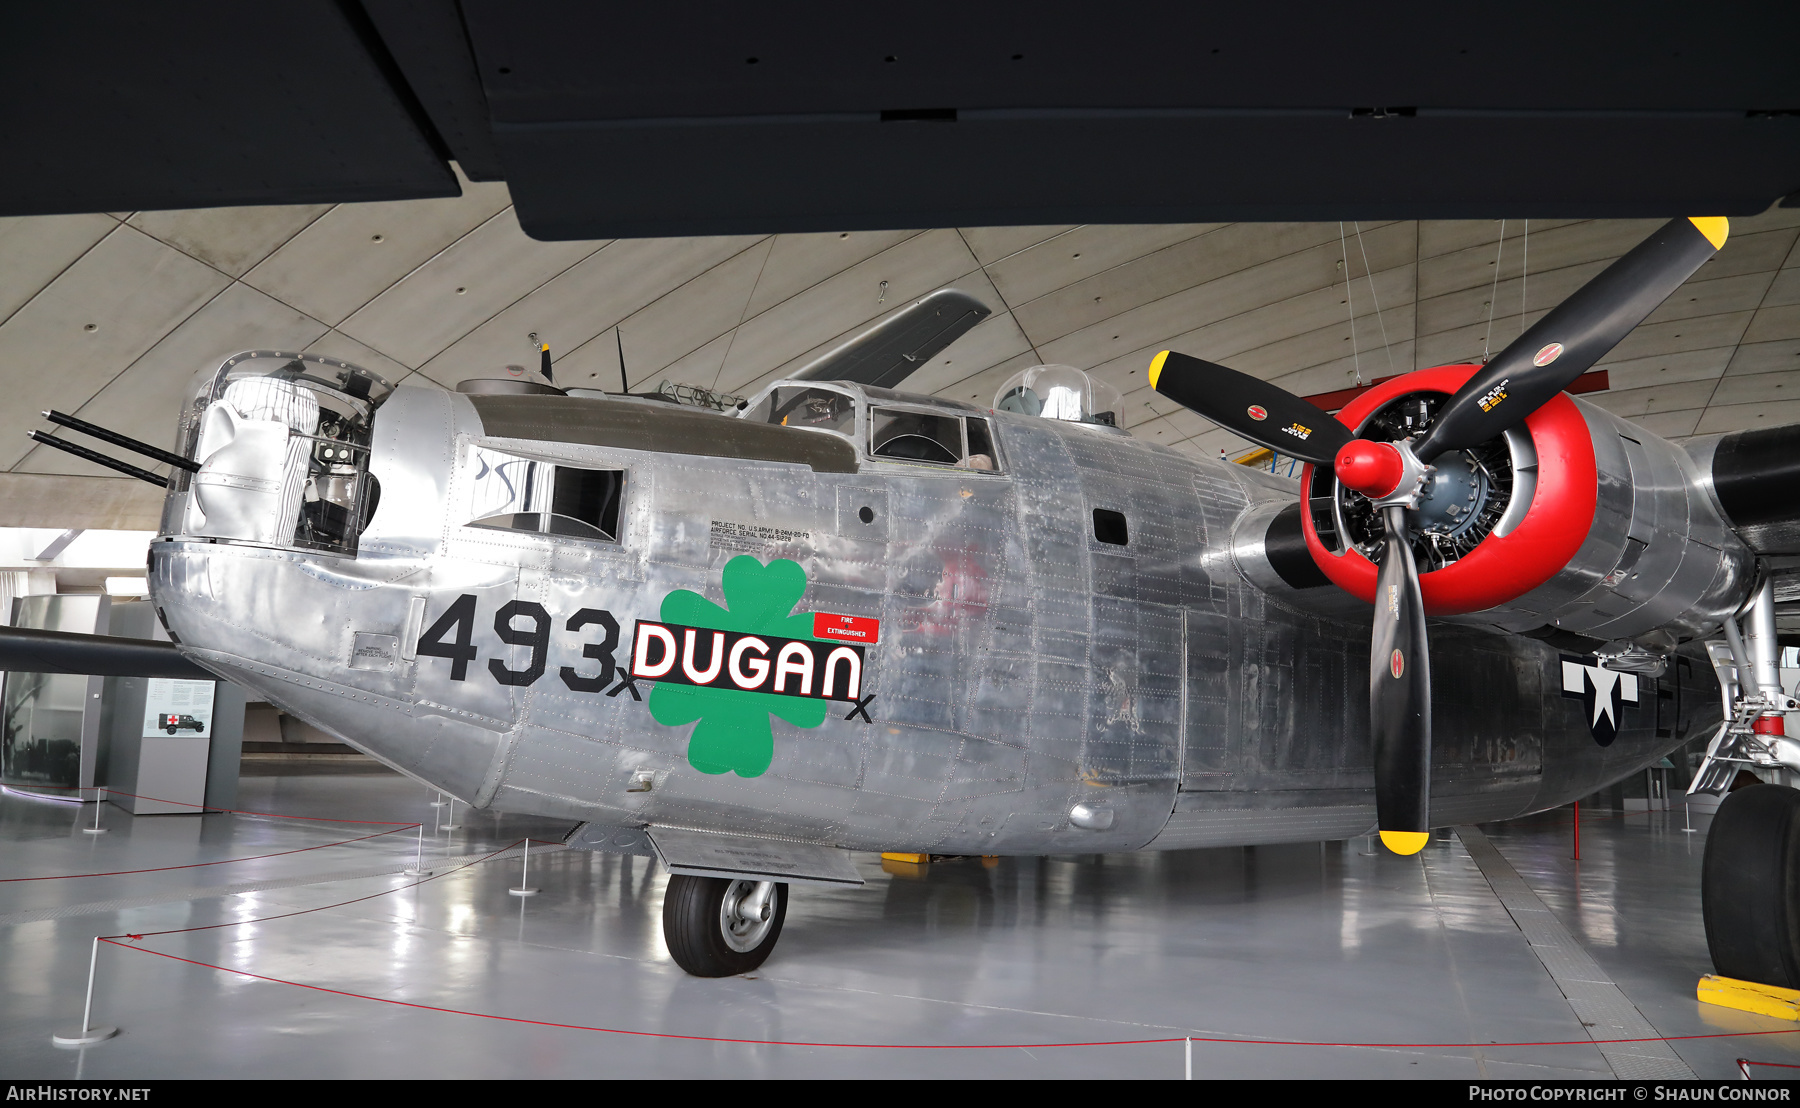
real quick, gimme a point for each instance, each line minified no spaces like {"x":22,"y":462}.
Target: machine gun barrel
{"x":117,"y":439}
{"x":100,"y":459}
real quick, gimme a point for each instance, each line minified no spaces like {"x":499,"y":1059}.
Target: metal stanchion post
{"x":99,"y":799}
{"x":1578,"y":830}
{"x":88,"y":1034}
{"x":525,"y":888}
{"x":1190,"y":1059}
{"x":1687,"y":818}
{"x":418,"y":867}
{"x":451,"y":826}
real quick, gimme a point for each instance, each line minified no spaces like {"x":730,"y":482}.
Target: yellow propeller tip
{"x":546,"y":346}
{"x":1405,"y":842}
{"x":1714,"y":227}
{"x":1156,"y":365}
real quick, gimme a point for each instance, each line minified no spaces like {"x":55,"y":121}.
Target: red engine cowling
{"x":1606,"y":529}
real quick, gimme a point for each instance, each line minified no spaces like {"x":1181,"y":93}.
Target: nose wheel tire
{"x":717,"y":927}
{"x":1750,"y":886}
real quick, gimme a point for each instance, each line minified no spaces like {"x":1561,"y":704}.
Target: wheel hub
{"x":746,"y":914}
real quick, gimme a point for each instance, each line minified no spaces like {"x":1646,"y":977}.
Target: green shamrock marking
{"x":734,"y":732}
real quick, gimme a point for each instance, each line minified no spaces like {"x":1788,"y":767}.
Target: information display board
{"x":173,"y":707}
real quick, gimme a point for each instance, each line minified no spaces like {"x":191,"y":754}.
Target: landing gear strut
{"x":1750,"y":886}
{"x":716,"y":927}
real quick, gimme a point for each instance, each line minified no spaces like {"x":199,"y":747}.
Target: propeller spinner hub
{"x":1374,"y":469}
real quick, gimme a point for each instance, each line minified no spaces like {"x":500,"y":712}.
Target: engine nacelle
{"x":1575,"y":520}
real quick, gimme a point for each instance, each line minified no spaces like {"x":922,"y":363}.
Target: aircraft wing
{"x":27,"y":650}
{"x":888,"y":353}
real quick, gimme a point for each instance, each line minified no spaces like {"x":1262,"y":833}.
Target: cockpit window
{"x":930,"y":437}
{"x":511,"y":493}
{"x":822,"y":409}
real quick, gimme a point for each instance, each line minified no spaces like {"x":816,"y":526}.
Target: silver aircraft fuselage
{"x":1025,"y":688}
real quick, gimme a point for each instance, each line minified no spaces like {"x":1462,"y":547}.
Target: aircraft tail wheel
{"x":1750,"y":886}
{"x":716,"y":927}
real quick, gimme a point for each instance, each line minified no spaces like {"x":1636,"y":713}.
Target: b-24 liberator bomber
{"x":845,"y":618}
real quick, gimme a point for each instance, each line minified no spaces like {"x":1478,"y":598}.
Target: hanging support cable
{"x":1350,"y":299}
{"x":1494,"y":293}
{"x":1369,"y":273}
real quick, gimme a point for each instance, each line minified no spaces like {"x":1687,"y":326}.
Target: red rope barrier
{"x":320,"y":908}
{"x":219,"y":862}
{"x":917,"y":1046}
{"x":207,"y":809}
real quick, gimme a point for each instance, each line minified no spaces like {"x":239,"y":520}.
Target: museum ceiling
{"x":107,"y":315}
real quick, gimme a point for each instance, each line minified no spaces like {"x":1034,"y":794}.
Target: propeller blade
{"x":1249,"y":406}
{"x":1577,"y":333}
{"x":1400,"y":696}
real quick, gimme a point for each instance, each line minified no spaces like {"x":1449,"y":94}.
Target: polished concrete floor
{"x":1297,"y":944}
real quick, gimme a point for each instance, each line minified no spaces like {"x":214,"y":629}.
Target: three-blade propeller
{"x":1535,"y":367}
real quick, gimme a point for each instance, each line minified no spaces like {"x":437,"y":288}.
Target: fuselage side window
{"x":820,"y":409}
{"x":916,"y":436}
{"x":521,"y":494}
{"x":981,"y":445}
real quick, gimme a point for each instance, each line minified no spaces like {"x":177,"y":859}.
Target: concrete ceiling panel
{"x":1632,"y":403}
{"x":1701,"y":333}
{"x":1081,"y":253}
{"x":1743,"y":292}
{"x":1180,"y":310}
{"x":1181,"y":268}
{"x":580,"y":306}
{"x":145,"y":400}
{"x":1239,"y":339}
{"x":36,"y":249}
{"x":1742,"y":417}
{"x":664,"y":332}
{"x":1785,"y":289}
{"x":1468,"y":307}
{"x":1772,"y":324}
{"x":471,"y":281}
{"x":1438,"y":237}
{"x":979,"y":389}
{"x":131,"y":289}
{"x":336,"y":344}
{"x":1671,"y":425}
{"x":229,"y":239}
{"x":1748,"y":388}
{"x":1340,"y":373}
{"x":1765,"y":357}
{"x":109,"y":503}
{"x":1573,"y":244}
{"x":1669,"y":369}
{"x":349,"y":255}
{"x":697,"y":367}
{"x":798,"y":262}
{"x":990,"y":244}
{"x":1751,"y":252}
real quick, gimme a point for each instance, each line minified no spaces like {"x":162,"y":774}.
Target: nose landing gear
{"x":717,"y":927}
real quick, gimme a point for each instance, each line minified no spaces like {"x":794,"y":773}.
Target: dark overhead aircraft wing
{"x":26,"y":650}
{"x":888,"y":353}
